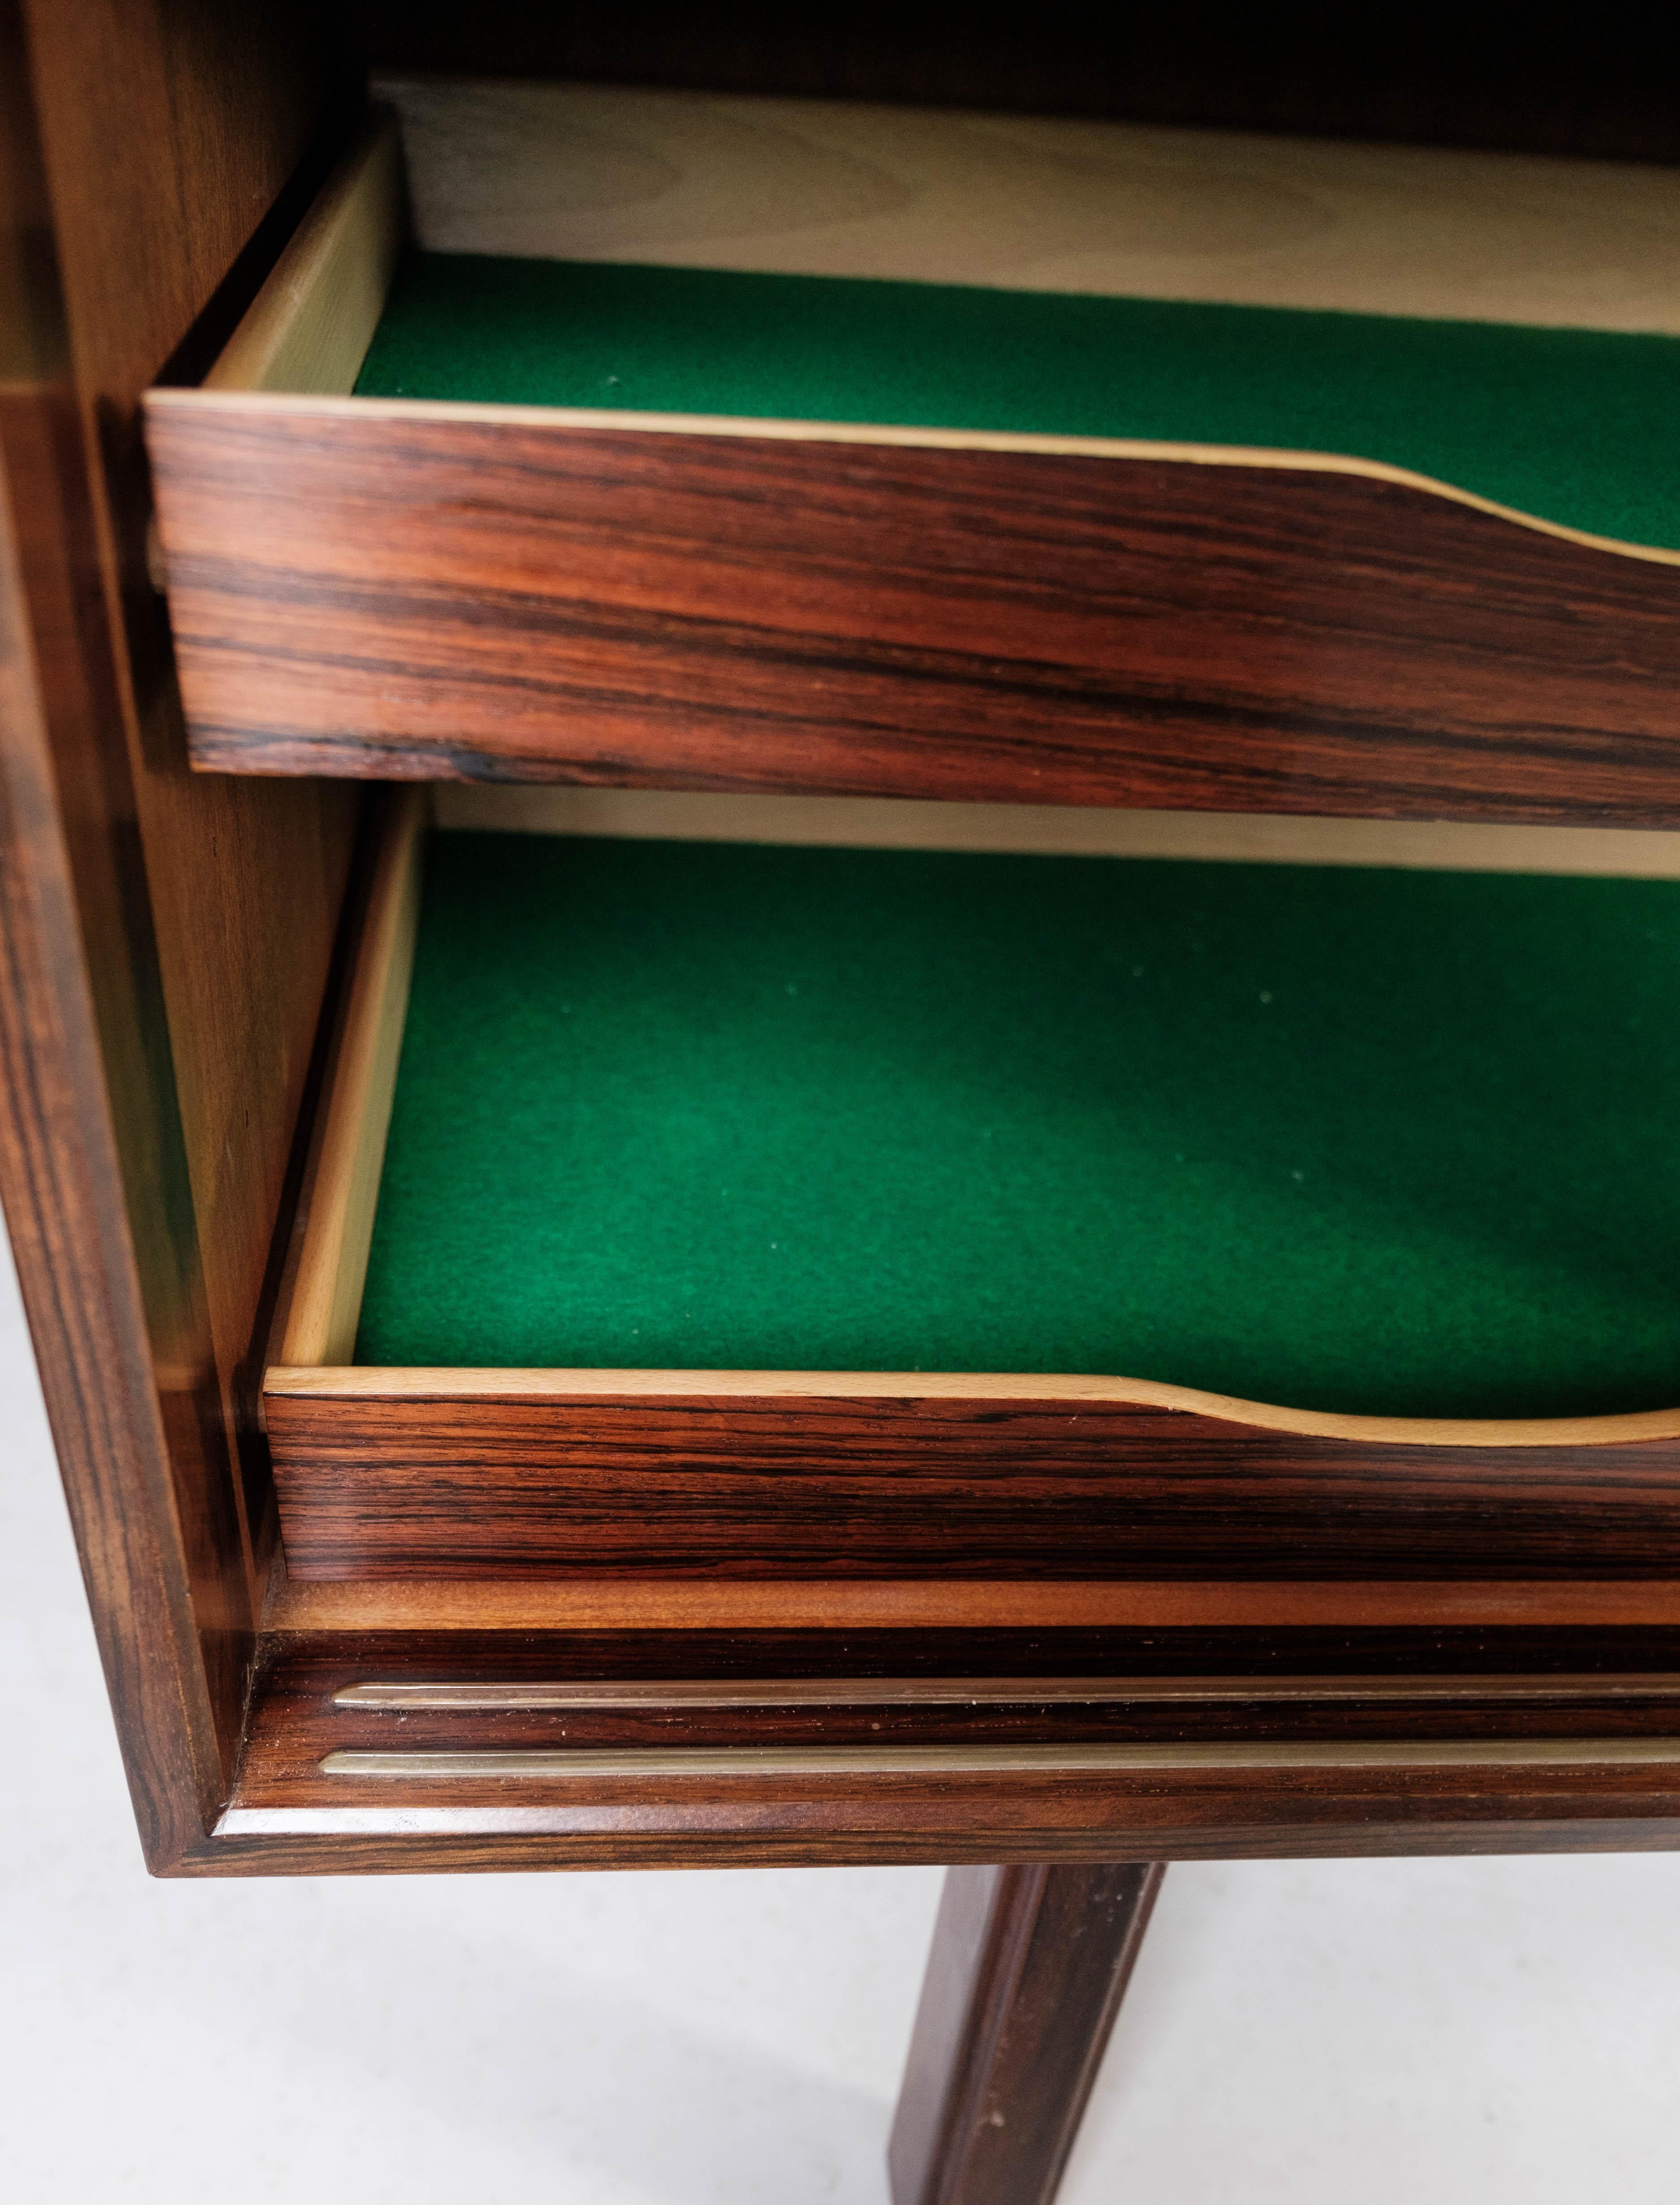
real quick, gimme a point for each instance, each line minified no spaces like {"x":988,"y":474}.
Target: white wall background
{"x":1467,"y":2032}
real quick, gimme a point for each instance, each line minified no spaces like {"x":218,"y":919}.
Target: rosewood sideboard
{"x":841,"y":888}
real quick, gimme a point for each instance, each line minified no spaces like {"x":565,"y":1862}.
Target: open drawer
{"x":1206,"y":472}
{"x":774,"y":1205}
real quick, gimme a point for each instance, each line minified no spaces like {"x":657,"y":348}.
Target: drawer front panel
{"x":371,"y":587}
{"x":836,"y":1487}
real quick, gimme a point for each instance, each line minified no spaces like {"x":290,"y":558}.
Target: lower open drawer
{"x":764,"y":1210}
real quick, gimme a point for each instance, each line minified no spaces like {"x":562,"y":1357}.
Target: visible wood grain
{"x":825,"y":188}
{"x":166,"y":947}
{"x":368,"y":1840}
{"x":320,"y":1325}
{"x":369,"y":1837}
{"x":475,"y":1473}
{"x":1098,"y":1681}
{"x":1028,"y":1968}
{"x":1474,"y":1794}
{"x":167,"y":133}
{"x":289,"y":1817}
{"x":1358,"y":1668}
{"x":505,"y":1710}
{"x":167,"y":939}
{"x":975,"y":1605}
{"x":1061,"y":830}
{"x":1186,"y":1806}
{"x":715,"y":607}
{"x":310,"y":326}
{"x":531,"y":1389}
{"x":744,"y":1486}
{"x":1152,"y":1812}
{"x":122,"y":1347}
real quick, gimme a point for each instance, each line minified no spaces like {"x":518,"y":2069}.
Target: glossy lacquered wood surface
{"x":166,"y":943}
{"x":166,"y":939}
{"x":750,"y":1693}
{"x":751,"y":1485}
{"x":1431,"y":1610}
{"x":1318,"y":1762}
{"x":179,"y":146}
{"x":160,"y":1604}
{"x":490,"y":1479}
{"x":387,"y":587}
{"x":1028,"y":1968}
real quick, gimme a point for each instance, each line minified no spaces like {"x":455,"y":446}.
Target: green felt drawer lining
{"x":1394,"y":1142}
{"x":1577,"y":426}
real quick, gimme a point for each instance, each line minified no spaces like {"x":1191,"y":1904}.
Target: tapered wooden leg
{"x":1028,"y":1968}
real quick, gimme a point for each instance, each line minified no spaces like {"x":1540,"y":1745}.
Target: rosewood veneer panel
{"x":407,"y":1485}
{"x":393,"y":588}
{"x":1521,"y":1761}
{"x":1517,"y":1785}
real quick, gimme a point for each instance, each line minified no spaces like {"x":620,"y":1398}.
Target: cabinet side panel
{"x":95,"y":1197}
{"x":168,"y":135}
{"x":167,"y":941}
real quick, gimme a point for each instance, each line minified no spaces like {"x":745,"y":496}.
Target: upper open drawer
{"x":1210,"y":472}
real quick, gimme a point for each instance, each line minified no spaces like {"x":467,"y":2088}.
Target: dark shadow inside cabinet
{"x":1491,"y":76}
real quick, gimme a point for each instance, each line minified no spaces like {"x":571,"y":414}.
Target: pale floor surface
{"x":1466,"y":2032}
